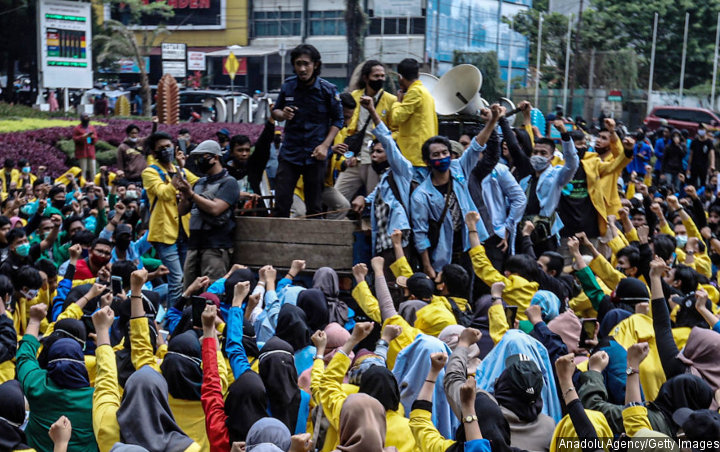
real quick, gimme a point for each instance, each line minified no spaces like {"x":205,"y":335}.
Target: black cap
{"x":525,"y":376}
{"x":123,"y":228}
{"x":419,"y":284}
{"x":632,"y":291}
{"x":698,"y":424}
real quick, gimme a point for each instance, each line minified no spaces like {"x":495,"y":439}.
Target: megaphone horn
{"x":458,"y":91}
{"x":509,"y":107}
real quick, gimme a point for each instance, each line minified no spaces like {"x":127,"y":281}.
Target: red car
{"x":683,"y":118}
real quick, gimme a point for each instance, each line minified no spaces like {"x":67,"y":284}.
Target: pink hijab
{"x":702,"y":354}
{"x":568,"y":327}
{"x":336,"y":338}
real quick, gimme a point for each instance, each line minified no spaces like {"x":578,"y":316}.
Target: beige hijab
{"x":362,"y":425}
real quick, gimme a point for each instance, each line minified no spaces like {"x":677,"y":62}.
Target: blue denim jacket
{"x":402,"y":171}
{"x":427,"y":203}
{"x":552,"y":181}
{"x":505,"y":202}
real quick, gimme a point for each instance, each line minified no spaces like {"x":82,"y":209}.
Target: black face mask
{"x":380,"y":167}
{"x":376,"y":85}
{"x":85,"y":122}
{"x":122,"y":243}
{"x":58,"y":203}
{"x":581,"y":152}
{"x":204,"y":164}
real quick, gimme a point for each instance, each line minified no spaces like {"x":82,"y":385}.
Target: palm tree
{"x":118,"y":41}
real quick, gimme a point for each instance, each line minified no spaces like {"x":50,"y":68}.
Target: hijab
{"x":327,"y":281}
{"x":336,"y":338}
{"x":408,"y":310}
{"x":66,"y":364}
{"x":682,"y":391}
{"x":278,"y":373}
{"x":268,"y":430}
{"x":451,"y":335}
{"x":312,"y":302}
{"x":290,"y":294}
{"x":549,"y":304}
{"x":292,"y":327}
{"x":362,"y":425}
{"x":245,"y":404}
{"x":120,"y":447}
{"x":702,"y":354}
{"x":238,"y":276}
{"x":610,"y":321}
{"x":144,"y":416}
{"x":411,"y":368}
{"x":68,"y":328}
{"x":12,"y":416}
{"x":181,"y":366}
{"x":481,"y":321}
{"x":380,"y":383}
{"x":493,"y":426}
{"x":510,"y":390}
{"x":249,"y":340}
{"x":568,"y":327}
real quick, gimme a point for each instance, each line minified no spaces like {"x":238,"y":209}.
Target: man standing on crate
{"x":211,"y":203}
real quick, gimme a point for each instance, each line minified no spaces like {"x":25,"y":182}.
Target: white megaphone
{"x":458,"y":91}
{"x":509,"y":107}
{"x":428,"y":80}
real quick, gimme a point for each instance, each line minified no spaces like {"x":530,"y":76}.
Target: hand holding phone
{"x":511,"y":314}
{"x":198,"y":306}
{"x":587,"y":333}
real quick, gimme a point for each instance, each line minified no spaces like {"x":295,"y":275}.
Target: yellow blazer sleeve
{"x":407,"y":336}
{"x":191,"y":177}
{"x":618,"y":242}
{"x":528,"y":128}
{"x":155,"y":187}
{"x":484,"y":268}
{"x":331,"y":393}
{"x":616,"y":146}
{"x":106,"y":399}
{"x":427,"y":437}
{"x":615,"y":165}
{"x":401,"y":267}
{"x":316,"y":374}
{"x":401,"y":111}
{"x":498,"y":322}
{"x":630,"y":192}
{"x":632,"y":235}
{"x":703,"y":265}
{"x":72,"y":312}
{"x":141,"y":353}
{"x":692,"y":230}
{"x":665,"y":229}
{"x":603,"y":270}
{"x":634,"y":419}
{"x":367,"y":301}
{"x":222,"y":370}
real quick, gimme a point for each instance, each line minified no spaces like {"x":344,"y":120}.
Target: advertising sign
{"x":171,"y":51}
{"x":187,"y":15}
{"x":64,"y":44}
{"x":196,"y":61}
{"x":174,"y":68}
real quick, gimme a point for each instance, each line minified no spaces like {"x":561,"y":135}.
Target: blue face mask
{"x":23,"y":249}
{"x":442,"y":164}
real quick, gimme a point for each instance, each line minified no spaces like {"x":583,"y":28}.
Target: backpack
{"x":462,"y":318}
{"x":145,"y":199}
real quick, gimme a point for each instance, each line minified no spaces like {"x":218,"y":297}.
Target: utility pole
{"x":684,"y":55}
{"x":567,"y":64}
{"x":510,"y":55}
{"x":715,"y":63}
{"x":538,"y":60}
{"x":652,"y":63}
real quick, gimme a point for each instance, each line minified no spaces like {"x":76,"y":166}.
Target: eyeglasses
{"x":103,"y":252}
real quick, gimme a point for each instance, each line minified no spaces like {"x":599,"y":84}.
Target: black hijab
{"x":312,"y":302}
{"x":380,"y":383}
{"x":123,"y":359}
{"x":74,"y":295}
{"x":326,"y":279}
{"x":292,"y":327}
{"x":12,"y":416}
{"x":493,"y":425}
{"x":681,"y":391}
{"x":65,"y":328}
{"x":182,"y":366}
{"x":481,"y":321}
{"x":278,"y":373}
{"x":249,"y":340}
{"x":239,"y":275}
{"x":245,"y":404}
{"x":510,"y":390}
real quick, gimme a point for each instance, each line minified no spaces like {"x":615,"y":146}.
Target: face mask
{"x":539,"y":163}
{"x":165,"y":155}
{"x":277,"y":141}
{"x":99,"y":261}
{"x":58,"y":203}
{"x":122,"y":243}
{"x":376,"y":85}
{"x":701,"y":133}
{"x":620,"y":269}
{"x":442,"y":164}
{"x":23,"y":249}
{"x":681,"y":240}
{"x":26,"y":170}
{"x":581,"y":152}
{"x":132,"y":139}
{"x":204,"y":164}
{"x":30,"y":294}
{"x":380,"y":167}
{"x":131,"y":194}
{"x":85,"y":122}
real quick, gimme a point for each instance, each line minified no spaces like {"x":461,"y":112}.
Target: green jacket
{"x":48,"y":402}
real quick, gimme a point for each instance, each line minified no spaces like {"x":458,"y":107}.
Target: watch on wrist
{"x":382,"y":342}
{"x":469,"y":419}
{"x":630,"y":404}
{"x":629,"y":371}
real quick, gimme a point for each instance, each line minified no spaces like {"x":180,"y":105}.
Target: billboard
{"x":187,"y":15}
{"x":64,"y":44}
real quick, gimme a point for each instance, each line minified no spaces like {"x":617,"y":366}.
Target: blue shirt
{"x":641,"y":156}
{"x":318,"y":109}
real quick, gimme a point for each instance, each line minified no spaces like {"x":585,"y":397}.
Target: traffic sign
{"x":232,"y":65}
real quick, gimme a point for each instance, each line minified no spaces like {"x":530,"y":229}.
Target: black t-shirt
{"x":205,"y":232}
{"x":533,"y":203}
{"x":700,"y":150}
{"x":576,"y":209}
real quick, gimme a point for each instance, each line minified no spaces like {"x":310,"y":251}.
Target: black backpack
{"x":462,"y":318}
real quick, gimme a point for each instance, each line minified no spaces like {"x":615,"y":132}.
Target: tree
{"x":492,"y":87}
{"x":18,"y":47}
{"x":355,"y":24}
{"x":118,"y":41}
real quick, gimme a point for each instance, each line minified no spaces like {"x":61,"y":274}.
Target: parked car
{"x":683,"y":118}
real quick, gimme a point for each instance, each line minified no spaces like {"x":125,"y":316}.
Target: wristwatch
{"x":469,"y":419}
{"x":382,"y":342}
{"x":629,"y":371}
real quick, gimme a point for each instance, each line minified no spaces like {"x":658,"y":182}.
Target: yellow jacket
{"x":332,"y":437}
{"x":76,"y":172}
{"x":565,"y":429}
{"x":639,"y":328}
{"x":332,"y":397}
{"x":634,"y":419}
{"x":416,"y":121}
{"x":426,"y":434}
{"x":434,"y":317}
{"x":518,"y":290}
{"x":383,"y":108}
{"x":189,"y":414}
{"x":164,"y":222}
{"x":14,"y":176}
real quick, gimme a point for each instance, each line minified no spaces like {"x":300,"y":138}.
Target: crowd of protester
{"x":523,"y":288}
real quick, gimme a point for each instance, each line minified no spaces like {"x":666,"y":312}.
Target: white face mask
{"x":30,"y":294}
{"x":133,"y":139}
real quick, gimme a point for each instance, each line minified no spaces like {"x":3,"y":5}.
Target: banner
{"x":187,"y":15}
{"x":196,"y":61}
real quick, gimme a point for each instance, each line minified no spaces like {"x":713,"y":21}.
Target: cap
{"x":456,"y":148}
{"x":525,"y":376}
{"x":698,"y":424}
{"x":419,"y":284}
{"x":207,"y":147}
{"x":123,"y":228}
{"x":223,"y":131}
{"x":632,"y":291}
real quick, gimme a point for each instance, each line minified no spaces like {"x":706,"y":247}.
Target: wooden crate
{"x":277,"y":241}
